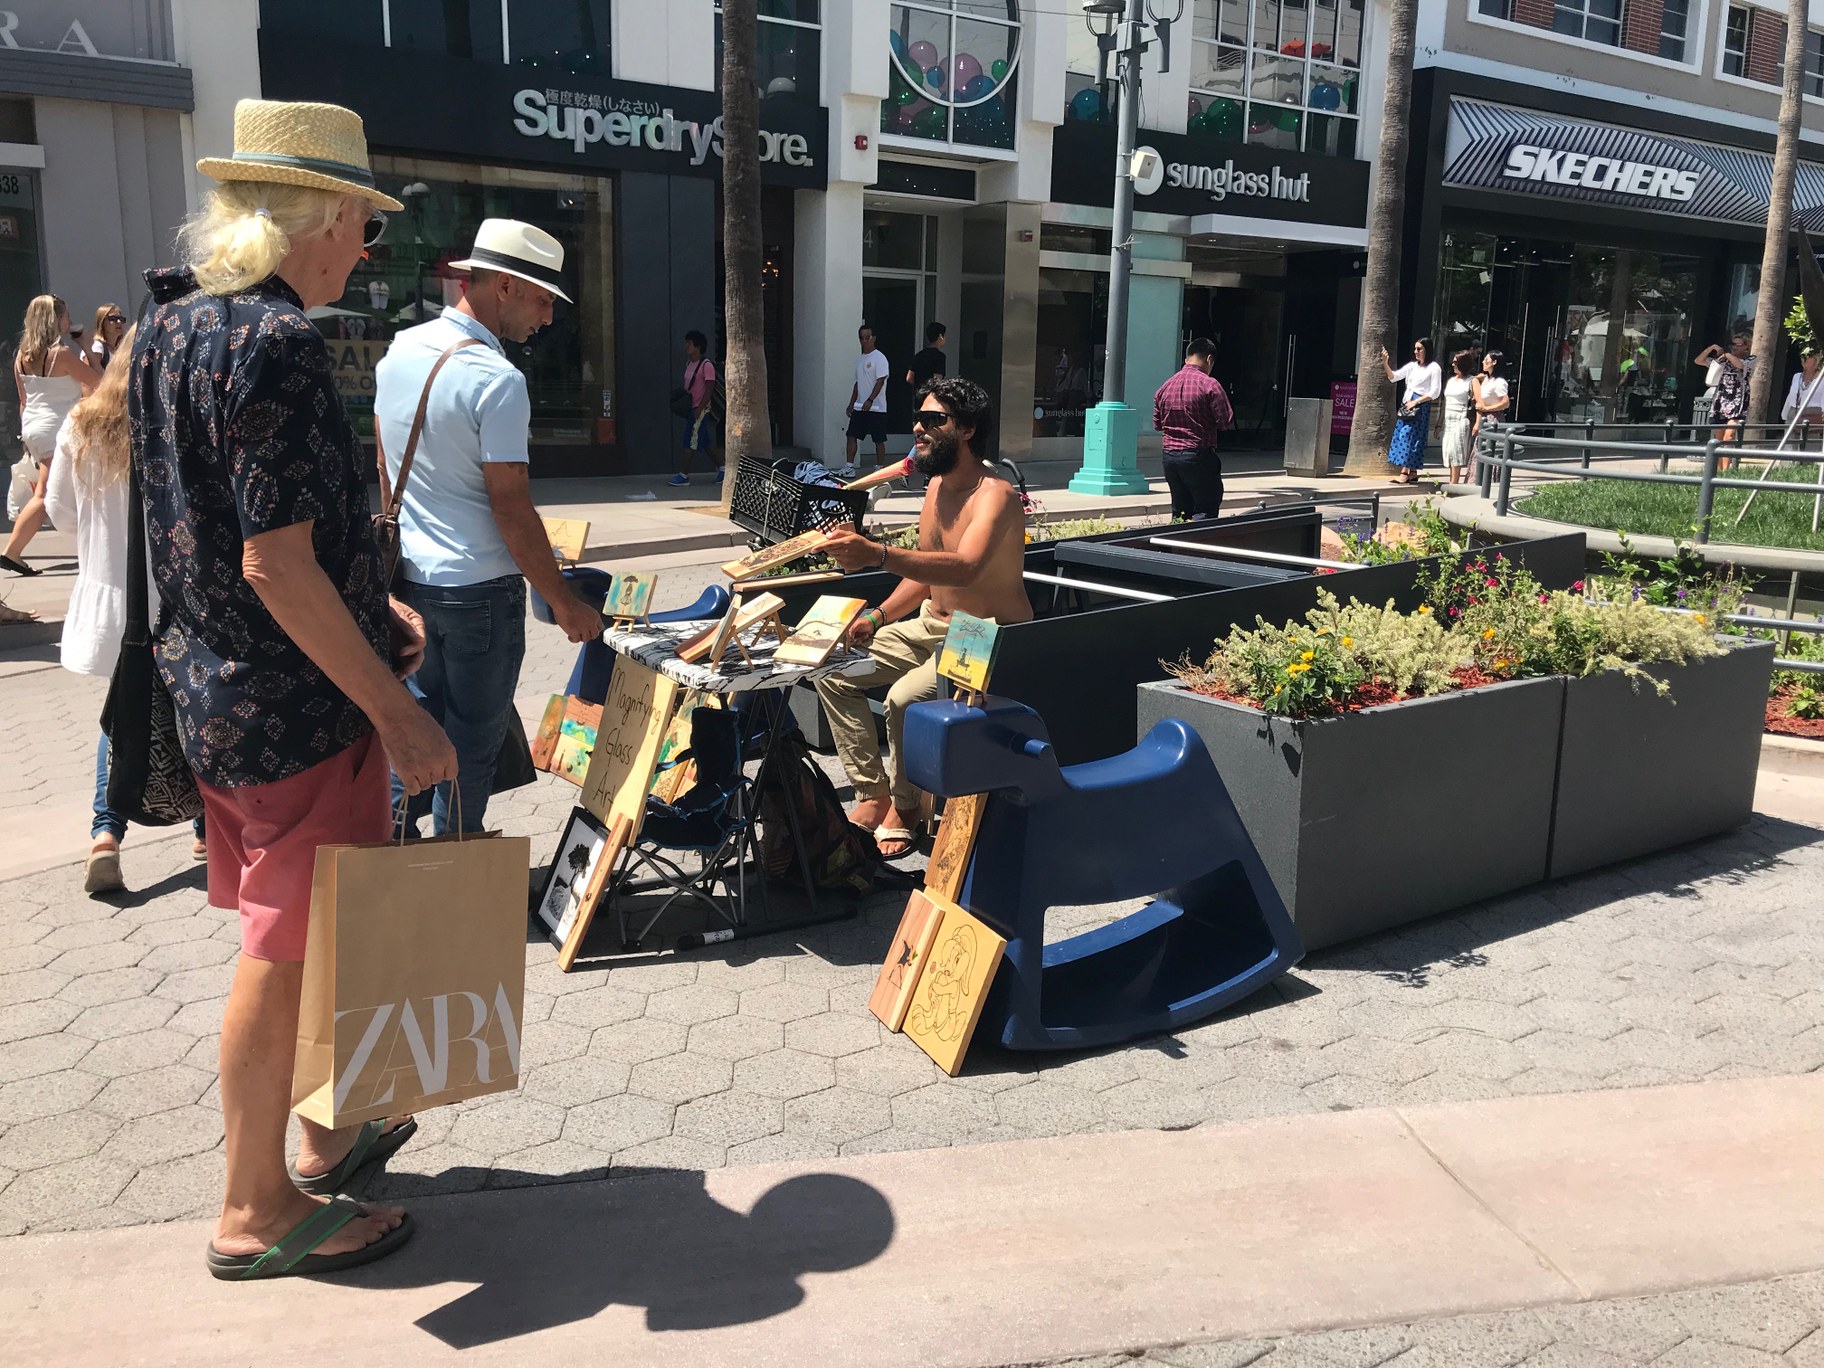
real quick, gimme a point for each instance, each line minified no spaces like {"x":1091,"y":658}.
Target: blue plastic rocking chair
{"x":1156,"y":821}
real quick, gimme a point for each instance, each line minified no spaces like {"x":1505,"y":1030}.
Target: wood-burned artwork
{"x":568,"y":936}
{"x":820,"y":631}
{"x":772,"y":557}
{"x":630,"y":596}
{"x":634,"y":717}
{"x":967,"y":657}
{"x":712,"y":643}
{"x":892,"y":993}
{"x":567,"y":536}
{"x":566,"y":737}
{"x":952,"y":983}
{"x":954,"y":844}
{"x":667,"y":784}
{"x":577,"y":874}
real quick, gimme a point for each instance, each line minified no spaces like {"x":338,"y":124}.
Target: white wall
{"x":219,"y":40}
{"x":665,"y":44}
{"x":826,"y":313}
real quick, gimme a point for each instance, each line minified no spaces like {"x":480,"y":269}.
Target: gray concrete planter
{"x":1381,"y":817}
{"x":1639,"y":773}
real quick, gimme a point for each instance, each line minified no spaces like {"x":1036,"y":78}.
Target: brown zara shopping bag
{"x":414,"y":977}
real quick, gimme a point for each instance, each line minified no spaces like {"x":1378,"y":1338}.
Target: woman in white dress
{"x":1491,"y":400}
{"x":87,"y":491}
{"x":51,"y":378}
{"x":1459,"y":418}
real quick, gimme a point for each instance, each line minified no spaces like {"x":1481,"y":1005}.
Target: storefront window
{"x":407,"y":279}
{"x":789,"y":62}
{"x":1281,"y":73}
{"x":559,"y":35}
{"x":953,"y":66}
{"x":1067,"y":373}
{"x":569,"y":36}
{"x":461,"y":28}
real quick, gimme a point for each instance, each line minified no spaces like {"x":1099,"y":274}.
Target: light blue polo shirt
{"x":479,"y":412}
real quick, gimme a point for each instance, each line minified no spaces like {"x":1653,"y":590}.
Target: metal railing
{"x":1583,"y":452}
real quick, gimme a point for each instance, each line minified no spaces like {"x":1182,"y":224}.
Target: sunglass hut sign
{"x":583,"y":119}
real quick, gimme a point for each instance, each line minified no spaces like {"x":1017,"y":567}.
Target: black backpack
{"x":841,"y":855}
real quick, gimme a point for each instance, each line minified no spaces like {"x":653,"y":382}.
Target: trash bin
{"x":1308,"y":437}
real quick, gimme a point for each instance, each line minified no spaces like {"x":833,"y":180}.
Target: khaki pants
{"x":905,"y":657}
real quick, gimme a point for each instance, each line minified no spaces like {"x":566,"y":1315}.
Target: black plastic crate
{"x":775,"y":507}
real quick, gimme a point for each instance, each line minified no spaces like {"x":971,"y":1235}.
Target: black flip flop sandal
{"x":375,"y":1144}
{"x":291,"y":1257}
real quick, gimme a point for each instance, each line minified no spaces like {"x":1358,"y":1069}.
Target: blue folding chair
{"x":595,"y":660}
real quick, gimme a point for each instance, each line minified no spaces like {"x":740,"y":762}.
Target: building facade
{"x":1595,"y":181}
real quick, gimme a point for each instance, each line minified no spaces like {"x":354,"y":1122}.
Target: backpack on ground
{"x":841,"y":855}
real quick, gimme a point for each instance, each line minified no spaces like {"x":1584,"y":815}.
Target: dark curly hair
{"x":970,"y":406}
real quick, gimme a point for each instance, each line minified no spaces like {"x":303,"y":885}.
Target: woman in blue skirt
{"x":1424,"y":382}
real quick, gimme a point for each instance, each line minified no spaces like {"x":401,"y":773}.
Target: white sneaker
{"x":847,"y":472}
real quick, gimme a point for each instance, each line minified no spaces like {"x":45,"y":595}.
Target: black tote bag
{"x":149,"y":781}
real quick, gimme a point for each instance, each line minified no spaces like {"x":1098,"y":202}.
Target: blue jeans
{"x":107,"y":821}
{"x":474,"y":643}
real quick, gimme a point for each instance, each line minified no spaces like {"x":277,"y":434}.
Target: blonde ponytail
{"x":247,"y":229}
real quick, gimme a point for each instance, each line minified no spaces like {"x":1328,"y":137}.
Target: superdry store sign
{"x":1198,"y":176}
{"x":421,"y":101}
{"x":1498,"y":147}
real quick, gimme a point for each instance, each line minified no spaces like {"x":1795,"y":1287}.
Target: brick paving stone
{"x":1808,"y":1352}
{"x":635,"y":1042}
{"x":735,"y":1037}
{"x":672,"y":1152}
{"x":681,"y":1077}
{"x":507,"y":1123}
{"x":39,"y":1198}
{"x":130,"y":1054}
{"x":730,"y":1117}
{"x":198,"y":1018}
{"x":788,"y":1146}
{"x":693,"y":1003}
{"x":163,"y":1136}
{"x":1233,"y":1354}
{"x":1759,"y":1316}
{"x":784,"y":1074}
{"x":570,"y":1083}
{"x":652,"y":978}
{"x":92,"y":959}
{"x":617,"y":1123}
{"x":553,"y":1040}
{"x":184,"y":1188}
{"x":838,"y":1115}
{"x":122,"y":1018}
{"x":30,"y":985}
{"x":1150,"y":1104}
{"x":1640,"y":1329}
{"x":939,"y":1111}
{"x":55,"y":1139}
{"x":175,"y":930}
{"x":30,"y":1098}
{"x":557,"y":1159}
{"x":155,"y":1090}
{"x":784,"y":1001}
{"x":832,"y":1034}
{"x":886,"y":1072}
{"x":429,"y":1170}
{"x":601,"y":1006}
{"x":41,"y":1055}
{"x":1092,"y":1072}
{"x":110,"y":985}
{"x":182,"y":955}
{"x":738,"y":975}
{"x":197,"y":985}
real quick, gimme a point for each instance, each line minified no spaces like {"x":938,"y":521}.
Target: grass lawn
{"x":1671,"y":510}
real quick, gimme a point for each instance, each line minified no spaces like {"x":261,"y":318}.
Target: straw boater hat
{"x":320,"y":145}
{"x":518,"y":249}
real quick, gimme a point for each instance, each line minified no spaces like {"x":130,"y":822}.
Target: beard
{"x":944,"y":449}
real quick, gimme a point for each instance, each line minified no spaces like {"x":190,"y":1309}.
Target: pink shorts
{"x":263,"y":841}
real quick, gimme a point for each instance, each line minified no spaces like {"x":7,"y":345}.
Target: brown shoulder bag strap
{"x":394,"y":499}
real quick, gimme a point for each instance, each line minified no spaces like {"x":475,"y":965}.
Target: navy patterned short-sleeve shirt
{"x":238,"y":430}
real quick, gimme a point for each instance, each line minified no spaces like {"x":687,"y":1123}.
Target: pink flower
{"x":1577,"y":588}
{"x":1491,"y":584}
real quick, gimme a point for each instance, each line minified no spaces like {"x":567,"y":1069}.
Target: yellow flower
{"x":1308,"y":654}
{"x":1276,"y":689}
{"x":1424,"y":608}
{"x":1348,"y":642}
{"x":1488,"y":634}
{"x":1701,"y":619}
{"x":1500,"y":664}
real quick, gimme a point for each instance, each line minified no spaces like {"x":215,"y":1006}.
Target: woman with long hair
{"x":1424,"y":383}
{"x":87,"y":491}
{"x":110,"y":324}
{"x":1459,"y":421}
{"x":1490,"y":399}
{"x":276,"y":640}
{"x":50,"y":378}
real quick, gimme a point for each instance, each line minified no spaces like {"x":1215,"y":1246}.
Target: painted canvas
{"x":820,"y":631}
{"x":630,"y":595}
{"x":572,"y":883}
{"x":952,"y":984}
{"x":772,"y":557}
{"x":967,"y":657}
{"x":954,"y":844}
{"x":892,"y":994}
{"x":566,"y":737}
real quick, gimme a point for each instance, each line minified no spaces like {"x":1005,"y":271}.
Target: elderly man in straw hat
{"x":276,"y":640}
{"x":448,"y":399}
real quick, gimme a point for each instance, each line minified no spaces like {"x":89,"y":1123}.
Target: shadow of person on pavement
{"x":547,"y":1256}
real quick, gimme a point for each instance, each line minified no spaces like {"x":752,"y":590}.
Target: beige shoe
{"x":199,"y":851}
{"x":103,"y":874}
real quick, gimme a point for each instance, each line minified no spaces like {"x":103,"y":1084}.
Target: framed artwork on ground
{"x":579,"y":871}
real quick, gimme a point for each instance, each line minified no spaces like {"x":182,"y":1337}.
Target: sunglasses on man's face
{"x":931,"y":418}
{"x":376,"y":229}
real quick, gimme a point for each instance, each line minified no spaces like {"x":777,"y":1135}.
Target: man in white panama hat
{"x":469,"y":535}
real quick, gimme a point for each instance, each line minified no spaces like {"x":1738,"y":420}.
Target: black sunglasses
{"x":931,"y":418}
{"x":376,"y":229}
{"x":113,"y":318}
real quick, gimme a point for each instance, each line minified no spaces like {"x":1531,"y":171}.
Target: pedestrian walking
{"x":701,"y":430}
{"x":276,"y":640}
{"x":929,"y":364}
{"x":470,"y":536}
{"x":1189,"y":411}
{"x":87,"y":491}
{"x":1733,"y":367}
{"x":1423,"y":382}
{"x":110,"y":324}
{"x":867,"y":407}
{"x":50,"y":378}
{"x":1459,"y":416}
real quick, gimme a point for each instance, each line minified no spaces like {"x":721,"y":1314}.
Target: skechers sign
{"x":1490,"y":146}
{"x":581,"y":118}
{"x":1615,"y":174}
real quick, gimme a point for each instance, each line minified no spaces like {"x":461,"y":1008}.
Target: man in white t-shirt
{"x":867,"y":410}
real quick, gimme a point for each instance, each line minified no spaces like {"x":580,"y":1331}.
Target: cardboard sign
{"x":952,"y":984}
{"x":568,"y":537}
{"x":967,"y":657}
{"x":892,"y":995}
{"x":820,"y":631}
{"x":634,"y":717}
{"x":772,"y":557}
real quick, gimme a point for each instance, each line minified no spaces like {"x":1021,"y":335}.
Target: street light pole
{"x":1111,"y":430}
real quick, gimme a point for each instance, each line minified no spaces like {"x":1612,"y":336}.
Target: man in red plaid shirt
{"x":1188,"y":411}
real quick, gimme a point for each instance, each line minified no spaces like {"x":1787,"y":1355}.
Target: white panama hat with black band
{"x":517,"y":249}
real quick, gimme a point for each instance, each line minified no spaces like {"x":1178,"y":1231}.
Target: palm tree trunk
{"x":749,"y":429}
{"x":1374,"y":397}
{"x":1770,"y":308}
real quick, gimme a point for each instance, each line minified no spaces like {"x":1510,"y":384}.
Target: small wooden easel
{"x":758,"y":626}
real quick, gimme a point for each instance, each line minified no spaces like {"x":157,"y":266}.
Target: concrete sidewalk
{"x":1026,"y":1252}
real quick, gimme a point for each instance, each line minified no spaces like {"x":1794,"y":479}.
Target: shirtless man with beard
{"x":970,"y":556}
